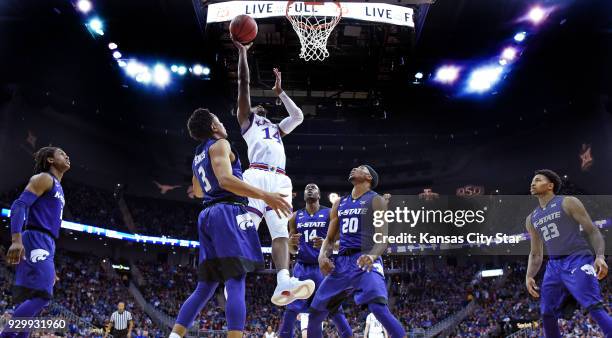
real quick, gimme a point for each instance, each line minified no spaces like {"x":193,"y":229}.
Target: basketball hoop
{"x":313,"y":22}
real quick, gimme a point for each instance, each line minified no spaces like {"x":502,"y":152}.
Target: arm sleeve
{"x":295,"y":117}
{"x":19,"y":210}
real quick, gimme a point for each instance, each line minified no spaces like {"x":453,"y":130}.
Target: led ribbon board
{"x":127,"y":236}
{"x":366,"y":11}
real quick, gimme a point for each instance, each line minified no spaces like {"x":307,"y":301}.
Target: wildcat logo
{"x":244,"y":221}
{"x":588,"y":269}
{"x":38,"y":255}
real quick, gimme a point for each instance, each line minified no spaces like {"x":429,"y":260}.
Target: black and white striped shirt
{"x":120,"y":320}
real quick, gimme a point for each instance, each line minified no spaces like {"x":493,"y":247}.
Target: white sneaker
{"x":291,"y":289}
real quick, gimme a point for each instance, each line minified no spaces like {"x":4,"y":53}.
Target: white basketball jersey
{"x":376,"y":328}
{"x":264,"y":141}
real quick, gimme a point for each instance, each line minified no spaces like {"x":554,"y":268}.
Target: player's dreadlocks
{"x":40,"y":159}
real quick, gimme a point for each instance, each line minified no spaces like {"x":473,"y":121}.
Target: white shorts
{"x":271,"y":182}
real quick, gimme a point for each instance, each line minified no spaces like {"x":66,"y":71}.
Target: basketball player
{"x":36,"y":217}
{"x":572,"y":271}
{"x":358,"y":265}
{"x":267,"y":157}
{"x":218,"y":178}
{"x":307,"y":228}
{"x":373,"y":328}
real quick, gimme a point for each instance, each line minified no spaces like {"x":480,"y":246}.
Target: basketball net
{"x":313,"y":22}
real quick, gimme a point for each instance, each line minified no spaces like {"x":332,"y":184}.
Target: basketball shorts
{"x":229,"y":245}
{"x":35,"y":275}
{"x":569,"y":276}
{"x":271,"y":182}
{"x":303,"y":271}
{"x":367,"y":287}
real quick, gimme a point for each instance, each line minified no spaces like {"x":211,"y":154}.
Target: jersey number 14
{"x":276,"y":135}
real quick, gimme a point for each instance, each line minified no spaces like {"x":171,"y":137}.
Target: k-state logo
{"x":244,"y":221}
{"x":38,"y":255}
{"x":588,"y":269}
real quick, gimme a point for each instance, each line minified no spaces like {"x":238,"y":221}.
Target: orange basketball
{"x":243,"y":28}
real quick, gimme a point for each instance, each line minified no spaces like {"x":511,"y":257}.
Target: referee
{"x":121,"y":323}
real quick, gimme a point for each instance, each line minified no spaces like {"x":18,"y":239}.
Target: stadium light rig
{"x":84,"y":6}
{"x":156,"y":74}
{"x":520,"y":36}
{"x":447,"y":74}
{"x":484,"y":78}
{"x":96,"y":26}
{"x":537,"y":14}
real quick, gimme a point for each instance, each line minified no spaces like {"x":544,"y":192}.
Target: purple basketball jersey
{"x":202,"y":169}
{"x":560,"y":232}
{"x":47,"y":210}
{"x":356,"y":227}
{"x":310,"y":226}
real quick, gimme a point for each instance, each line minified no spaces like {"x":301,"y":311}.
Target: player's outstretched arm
{"x":574,"y":208}
{"x":535,"y":258}
{"x":327,"y":248}
{"x":220,"y":153}
{"x":296,"y":117}
{"x":294,"y":237}
{"x":38,"y":185}
{"x":366,"y":262}
{"x":244,"y":80}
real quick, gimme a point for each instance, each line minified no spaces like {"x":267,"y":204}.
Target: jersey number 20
{"x":207,"y":186}
{"x":349,"y":225}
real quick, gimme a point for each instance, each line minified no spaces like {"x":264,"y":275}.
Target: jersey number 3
{"x":202,"y":173}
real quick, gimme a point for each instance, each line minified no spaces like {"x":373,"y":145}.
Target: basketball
{"x":243,"y":28}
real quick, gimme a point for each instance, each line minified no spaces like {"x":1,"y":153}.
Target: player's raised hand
{"x":601,"y":267}
{"x":294,"y":239}
{"x":326,"y":265}
{"x":241,"y":48}
{"x":366,"y":262}
{"x":317,"y":242}
{"x":532,"y":287}
{"x":276,"y":201}
{"x":15,"y":253}
{"x":277,"y":84}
